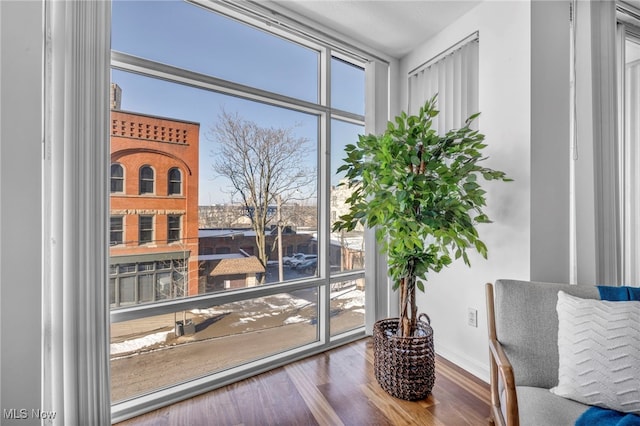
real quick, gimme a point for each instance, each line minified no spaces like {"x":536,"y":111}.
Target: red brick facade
{"x":165,"y":194}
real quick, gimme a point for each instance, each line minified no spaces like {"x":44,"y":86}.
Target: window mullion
{"x":324,"y":185}
{"x":125,"y":62}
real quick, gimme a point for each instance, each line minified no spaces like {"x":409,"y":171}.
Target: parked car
{"x":309,"y":266}
{"x":296,"y":262}
{"x":286,"y":260}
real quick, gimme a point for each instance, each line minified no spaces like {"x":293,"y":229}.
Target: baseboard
{"x":470,"y":365}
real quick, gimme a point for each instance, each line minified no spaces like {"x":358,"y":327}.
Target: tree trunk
{"x":408,"y":320}
{"x":404,"y":326}
{"x":261,"y":243}
{"x":414,"y":305}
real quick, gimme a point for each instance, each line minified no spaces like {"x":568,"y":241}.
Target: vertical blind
{"x":631,"y":175}
{"x":628,"y":160}
{"x":453,"y":76}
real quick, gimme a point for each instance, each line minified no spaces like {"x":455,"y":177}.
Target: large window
{"x":347,"y":86}
{"x":185,"y":36}
{"x":133,"y":283}
{"x":253,"y":153}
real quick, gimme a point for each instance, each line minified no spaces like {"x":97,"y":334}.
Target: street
{"x":225,"y":336}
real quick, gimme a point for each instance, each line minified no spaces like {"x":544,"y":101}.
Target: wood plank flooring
{"x":333,"y":388}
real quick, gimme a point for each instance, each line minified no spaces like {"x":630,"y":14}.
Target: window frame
{"x":376,"y":79}
{"x":170,"y":239}
{"x":118,"y":273}
{"x":147,"y":181}
{"x":121,"y":230}
{"x":119,"y":179}
{"x":174,"y":181}
{"x":149,"y":229}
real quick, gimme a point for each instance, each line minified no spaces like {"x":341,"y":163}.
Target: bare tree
{"x":261,"y":164}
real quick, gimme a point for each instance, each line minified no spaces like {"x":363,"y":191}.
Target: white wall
{"x":20,"y":206}
{"x":504,"y":99}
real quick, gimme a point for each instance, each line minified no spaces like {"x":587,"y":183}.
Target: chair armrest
{"x":502,"y":372}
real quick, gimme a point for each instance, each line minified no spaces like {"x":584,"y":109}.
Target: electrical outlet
{"x":472,"y":317}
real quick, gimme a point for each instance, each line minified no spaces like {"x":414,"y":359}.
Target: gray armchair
{"x":523,"y":347}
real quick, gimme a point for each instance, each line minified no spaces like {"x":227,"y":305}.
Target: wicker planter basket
{"x":404,"y":366}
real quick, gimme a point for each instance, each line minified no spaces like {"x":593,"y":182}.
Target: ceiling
{"x":393,"y":27}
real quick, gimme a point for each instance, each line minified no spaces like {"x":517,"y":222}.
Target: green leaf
{"x":482,"y":218}
{"x":422,"y":221}
{"x":481,"y":248}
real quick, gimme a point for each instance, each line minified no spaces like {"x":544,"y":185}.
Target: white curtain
{"x":453,"y":76}
{"x":597,"y":213}
{"x":630,"y":161}
{"x":75,"y":363}
{"x":604,"y":125}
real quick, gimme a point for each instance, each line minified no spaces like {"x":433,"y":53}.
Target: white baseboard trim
{"x":472,"y":366}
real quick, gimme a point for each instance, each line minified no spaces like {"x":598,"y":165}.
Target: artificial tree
{"x":420,"y":191}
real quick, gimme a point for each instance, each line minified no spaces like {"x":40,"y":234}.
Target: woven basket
{"x":404,"y":366}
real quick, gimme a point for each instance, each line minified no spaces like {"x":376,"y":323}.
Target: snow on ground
{"x":139,"y":343}
{"x":255,"y":309}
{"x":355,"y":298}
{"x":275,"y":310}
{"x":209,"y":312}
{"x":276,"y":302}
{"x":287,"y":301}
{"x":296,"y":319}
{"x":252,"y":310}
{"x":254,"y":316}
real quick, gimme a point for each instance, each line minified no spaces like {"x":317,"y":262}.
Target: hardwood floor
{"x":333,"y":388}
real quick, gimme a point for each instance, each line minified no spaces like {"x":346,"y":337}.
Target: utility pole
{"x":279,"y":219}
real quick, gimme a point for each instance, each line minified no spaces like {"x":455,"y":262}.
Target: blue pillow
{"x":619,"y":294}
{"x":603,"y":417}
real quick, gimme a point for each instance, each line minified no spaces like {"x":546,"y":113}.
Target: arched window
{"x":175,"y":182}
{"x":146,"y":180}
{"x":117,"y":178}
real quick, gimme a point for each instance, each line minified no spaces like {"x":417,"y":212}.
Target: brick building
{"x":218,"y":246}
{"x":154,"y":207}
{"x":225,"y":241}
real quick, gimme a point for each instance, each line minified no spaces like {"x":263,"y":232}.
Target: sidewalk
{"x":225,"y":336}
{"x":152,"y":333}
{"x":121,"y":331}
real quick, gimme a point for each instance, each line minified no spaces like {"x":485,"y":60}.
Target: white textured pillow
{"x":599,"y":348}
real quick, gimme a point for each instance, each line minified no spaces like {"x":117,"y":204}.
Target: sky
{"x":190,"y":37}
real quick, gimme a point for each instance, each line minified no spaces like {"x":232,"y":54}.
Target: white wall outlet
{"x":472,"y":317}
